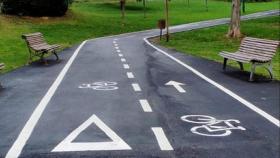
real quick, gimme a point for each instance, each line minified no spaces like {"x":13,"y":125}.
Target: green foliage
{"x":35,"y":7}
{"x":88,"y":19}
{"x":250,"y":1}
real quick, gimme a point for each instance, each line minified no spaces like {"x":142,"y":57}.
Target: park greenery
{"x":208,"y":42}
{"x":96,"y":18}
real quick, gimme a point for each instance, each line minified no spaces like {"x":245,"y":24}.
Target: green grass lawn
{"x":208,"y":42}
{"x":96,"y":18}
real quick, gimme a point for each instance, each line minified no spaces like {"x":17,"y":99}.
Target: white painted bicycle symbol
{"x":102,"y":86}
{"x":211,"y":126}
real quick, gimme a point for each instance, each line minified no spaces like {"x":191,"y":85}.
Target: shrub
{"x":35,"y":7}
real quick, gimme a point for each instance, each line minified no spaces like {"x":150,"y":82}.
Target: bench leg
{"x":57,"y":58}
{"x":43,"y":59}
{"x":253,"y":68}
{"x":269,"y":69}
{"x":225,"y":63}
{"x":30,"y":56}
{"x":241,"y":66}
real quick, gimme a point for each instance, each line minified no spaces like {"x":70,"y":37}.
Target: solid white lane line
{"x":120,"y":55}
{"x":145,"y":105}
{"x":162,"y":139}
{"x":222,"y":88}
{"x":126,"y":66}
{"x":136,"y":87}
{"x":130,"y":75}
{"x":27,"y":130}
{"x":123,"y":59}
{"x":118,"y":51}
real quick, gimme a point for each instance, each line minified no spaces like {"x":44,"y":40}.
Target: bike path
{"x":70,"y":107}
{"x":120,"y":110}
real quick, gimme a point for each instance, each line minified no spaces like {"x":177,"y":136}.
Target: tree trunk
{"x":144,"y":5}
{"x":122,"y":5}
{"x":234,"y":28}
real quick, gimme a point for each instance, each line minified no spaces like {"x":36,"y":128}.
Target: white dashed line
{"x":114,"y":42}
{"x":117,"y":48}
{"x":162,"y":139}
{"x":118,"y":51}
{"x":116,"y":45}
{"x":123,"y":59}
{"x":126,"y":66}
{"x":120,"y":55}
{"x":130,"y":75}
{"x":136,"y":87}
{"x":145,"y":105}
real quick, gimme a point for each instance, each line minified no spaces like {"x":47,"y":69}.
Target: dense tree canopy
{"x":35,"y":7}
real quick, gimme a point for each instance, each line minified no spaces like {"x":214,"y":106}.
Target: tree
{"x":234,"y":28}
{"x":35,"y":7}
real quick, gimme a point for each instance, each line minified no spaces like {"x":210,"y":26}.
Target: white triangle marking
{"x":116,"y":144}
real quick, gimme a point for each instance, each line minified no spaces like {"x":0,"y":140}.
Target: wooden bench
{"x":258,"y":52}
{"x":37,"y":46}
{"x":2,"y":66}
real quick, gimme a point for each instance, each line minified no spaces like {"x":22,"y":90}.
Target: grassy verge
{"x":91,"y":19}
{"x":207,"y":43}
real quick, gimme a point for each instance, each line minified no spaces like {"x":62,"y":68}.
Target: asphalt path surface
{"x":120,"y":96}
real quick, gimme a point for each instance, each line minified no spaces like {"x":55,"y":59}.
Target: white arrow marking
{"x":68,"y":145}
{"x":177,"y":85}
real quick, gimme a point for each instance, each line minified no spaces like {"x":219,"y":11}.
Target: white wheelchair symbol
{"x":211,"y":126}
{"x":101,"y":86}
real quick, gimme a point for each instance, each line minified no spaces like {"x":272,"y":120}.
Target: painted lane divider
{"x":118,"y":51}
{"x":162,"y":139}
{"x":136,"y":87}
{"x":117,"y":47}
{"x":130,"y":75}
{"x":120,"y":55}
{"x":145,"y":105}
{"x":68,"y":145}
{"x":248,"y":104}
{"x":126,"y":66}
{"x":28,"y":128}
{"x":176,"y":85}
{"x":123,"y":60}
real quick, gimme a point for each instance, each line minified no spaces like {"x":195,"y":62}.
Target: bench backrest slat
{"x":259,"y":47}
{"x":34,"y":40}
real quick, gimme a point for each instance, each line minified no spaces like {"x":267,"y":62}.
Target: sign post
{"x":161,"y":26}
{"x":167,"y":20}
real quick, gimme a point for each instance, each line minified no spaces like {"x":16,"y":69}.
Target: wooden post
{"x":243,"y":6}
{"x":206,"y":3}
{"x":122,"y":4}
{"x":167,"y":20}
{"x":144,"y":5}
